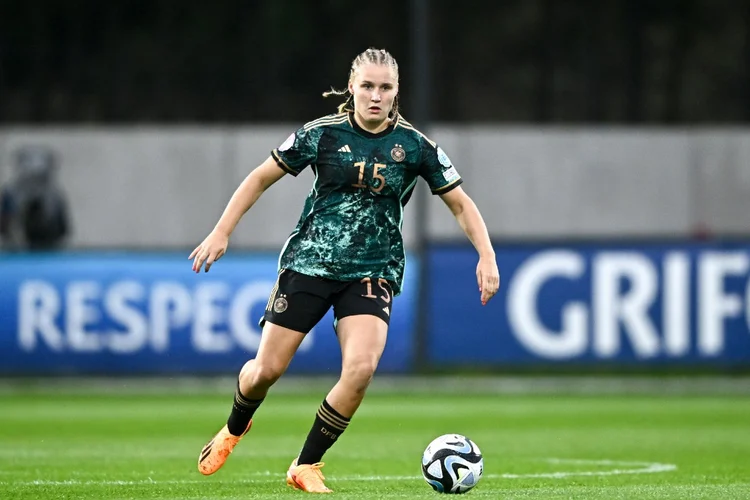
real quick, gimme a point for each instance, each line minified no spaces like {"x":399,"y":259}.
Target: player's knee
{"x":247,"y":369}
{"x":359,"y":372}
{"x":264,"y":375}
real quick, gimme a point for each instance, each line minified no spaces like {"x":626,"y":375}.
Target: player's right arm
{"x":244,"y":197}
{"x":298,"y":151}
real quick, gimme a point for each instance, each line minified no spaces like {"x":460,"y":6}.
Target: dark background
{"x":519,"y":61}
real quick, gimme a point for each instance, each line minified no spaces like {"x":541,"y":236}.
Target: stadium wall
{"x":532,"y":183}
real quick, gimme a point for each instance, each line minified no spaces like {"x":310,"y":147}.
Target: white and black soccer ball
{"x":452,"y":463}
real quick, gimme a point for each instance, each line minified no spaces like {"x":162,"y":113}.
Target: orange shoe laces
{"x":314,"y":469}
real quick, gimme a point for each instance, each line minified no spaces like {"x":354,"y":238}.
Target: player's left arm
{"x":471,"y":221}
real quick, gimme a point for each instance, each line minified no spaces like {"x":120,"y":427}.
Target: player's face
{"x":374,"y":88}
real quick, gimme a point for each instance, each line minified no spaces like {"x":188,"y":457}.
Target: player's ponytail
{"x":348,"y":105}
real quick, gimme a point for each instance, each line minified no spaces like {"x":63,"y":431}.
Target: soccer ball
{"x":452,"y":463}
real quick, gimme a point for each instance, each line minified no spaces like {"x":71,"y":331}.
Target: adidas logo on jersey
{"x":345,"y":149}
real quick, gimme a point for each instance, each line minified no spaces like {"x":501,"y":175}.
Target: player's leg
{"x":277,"y":347}
{"x":291,"y":313}
{"x":362,"y":339}
{"x":362,"y":328}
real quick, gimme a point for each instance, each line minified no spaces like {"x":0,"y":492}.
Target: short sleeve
{"x":298,"y":151}
{"x":436,"y":168}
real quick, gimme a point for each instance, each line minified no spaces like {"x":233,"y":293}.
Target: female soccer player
{"x":346,"y":252}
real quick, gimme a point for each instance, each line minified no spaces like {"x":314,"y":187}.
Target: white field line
{"x":638,"y":468}
{"x":621,"y":467}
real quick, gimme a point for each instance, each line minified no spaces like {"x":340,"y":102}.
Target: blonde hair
{"x":369,"y":56}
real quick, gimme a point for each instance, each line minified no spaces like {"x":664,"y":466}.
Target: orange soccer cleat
{"x":307,"y":477}
{"x":216,"y":452}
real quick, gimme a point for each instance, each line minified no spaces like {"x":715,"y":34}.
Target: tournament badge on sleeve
{"x":443,"y":158}
{"x":451,"y":174}
{"x":288,"y":142}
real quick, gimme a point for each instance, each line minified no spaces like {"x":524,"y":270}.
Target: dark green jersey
{"x":350,"y":227}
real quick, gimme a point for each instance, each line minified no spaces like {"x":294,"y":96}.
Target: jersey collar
{"x":367,"y":133}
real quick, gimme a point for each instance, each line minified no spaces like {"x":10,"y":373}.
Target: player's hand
{"x":213,"y":247}
{"x":488,"y":278}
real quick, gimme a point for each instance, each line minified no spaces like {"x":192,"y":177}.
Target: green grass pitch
{"x":68,"y":443}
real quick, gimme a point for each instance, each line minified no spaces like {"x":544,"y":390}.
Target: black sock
{"x":329,"y":425}
{"x":242,"y":411}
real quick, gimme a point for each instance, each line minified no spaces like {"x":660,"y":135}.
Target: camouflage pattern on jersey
{"x":350,"y":227}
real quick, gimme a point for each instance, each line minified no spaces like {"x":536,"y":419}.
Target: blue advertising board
{"x":148,"y":313}
{"x":583,"y":305}
{"x":648,"y":304}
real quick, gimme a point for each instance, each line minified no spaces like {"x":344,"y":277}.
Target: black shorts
{"x":299,"y":301}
